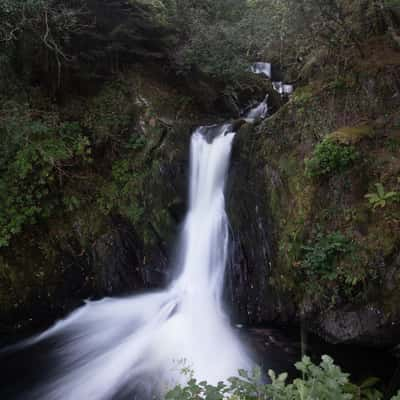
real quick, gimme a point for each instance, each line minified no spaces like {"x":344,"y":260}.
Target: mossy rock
{"x":352,"y":135}
{"x":303,"y":94}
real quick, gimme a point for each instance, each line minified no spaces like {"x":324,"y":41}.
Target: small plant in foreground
{"x":397,"y":397}
{"x":325,"y":381}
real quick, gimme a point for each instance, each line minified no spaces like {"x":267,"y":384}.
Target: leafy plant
{"x":329,"y":158}
{"x":123,"y":191}
{"x":321,"y":257}
{"x":397,"y":397}
{"x":330,"y":267}
{"x":325,"y":381}
{"x":381,"y":198}
{"x":393,"y":144}
{"x":35,"y":156}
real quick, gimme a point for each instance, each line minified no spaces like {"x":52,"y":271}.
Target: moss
{"x":303,"y":95}
{"x":351,"y":135}
{"x":274,"y":201}
{"x":290,"y":202}
{"x":381,"y":237}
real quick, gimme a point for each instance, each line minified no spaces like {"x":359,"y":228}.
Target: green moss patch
{"x":351,"y":135}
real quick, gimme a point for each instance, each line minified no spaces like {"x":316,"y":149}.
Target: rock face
{"x":286,"y":219}
{"x":249,"y":290}
{"x":117,"y":261}
{"x":374,"y":322}
{"x":367,"y":325}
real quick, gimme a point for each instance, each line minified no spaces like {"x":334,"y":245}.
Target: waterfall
{"x":262,"y":68}
{"x":258,"y":112}
{"x":140,"y":344}
{"x":283,"y":88}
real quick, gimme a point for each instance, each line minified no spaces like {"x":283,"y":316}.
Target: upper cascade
{"x":262,"y":68}
{"x":265,"y":68}
{"x":258,"y":112}
{"x":282,"y":88}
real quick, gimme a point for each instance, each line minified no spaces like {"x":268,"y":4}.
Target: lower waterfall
{"x":140,"y":344}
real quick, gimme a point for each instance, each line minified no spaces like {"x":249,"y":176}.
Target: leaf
{"x":380,"y":189}
{"x":369,"y":382}
{"x":390,"y":195}
{"x":282,"y":377}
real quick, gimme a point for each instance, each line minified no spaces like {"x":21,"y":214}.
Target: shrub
{"x":111,"y":114}
{"x":331,"y":267}
{"x":35,"y":155}
{"x":397,"y":397}
{"x":321,"y":257}
{"x":329,"y":158}
{"x":213,"y":38}
{"x":122,"y":191}
{"x":325,"y":381}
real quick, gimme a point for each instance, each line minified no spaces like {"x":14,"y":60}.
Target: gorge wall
{"x":309,"y":244}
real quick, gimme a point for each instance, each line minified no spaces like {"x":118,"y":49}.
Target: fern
{"x":381,"y":198}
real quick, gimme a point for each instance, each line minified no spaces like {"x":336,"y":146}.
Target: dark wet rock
{"x":279,"y":348}
{"x":253,"y":298}
{"x":117,"y":262}
{"x":367,"y":325}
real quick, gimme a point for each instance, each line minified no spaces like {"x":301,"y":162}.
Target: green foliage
{"x":303,"y":95}
{"x":366,"y":390}
{"x":329,"y":268}
{"x":397,"y":397}
{"x":111,"y":114}
{"x":320,"y":259}
{"x":124,"y":191}
{"x":325,"y":381}
{"x":392,"y":3}
{"x":214,"y":50}
{"x":330,"y":158}
{"x":35,"y":155}
{"x":43,"y":30}
{"x":393,"y":144}
{"x":211,"y":38}
{"x":219,"y":38}
{"x":381,"y":198}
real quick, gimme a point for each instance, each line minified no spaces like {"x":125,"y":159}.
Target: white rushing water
{"x":262,"y":68}
{"x":258,"y":112}
{"x":282,"y":88}
{"x":142,"y":342}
